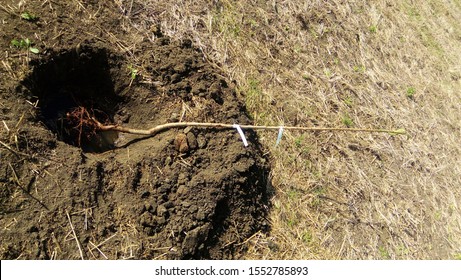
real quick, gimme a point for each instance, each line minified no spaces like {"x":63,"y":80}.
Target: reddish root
{"x":84,"y":122}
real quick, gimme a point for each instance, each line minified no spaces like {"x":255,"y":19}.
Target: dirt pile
{"x":192,"y":193}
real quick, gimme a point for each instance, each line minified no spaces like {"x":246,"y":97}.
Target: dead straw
{"x":17,"y":153}
{"x":75,"y":236}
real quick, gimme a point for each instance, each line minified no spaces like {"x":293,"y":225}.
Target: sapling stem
{"x":157,"y":129}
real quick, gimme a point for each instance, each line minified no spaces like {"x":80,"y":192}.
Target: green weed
{"x":328,"y":73}
{"x":253,"y":23}
{"x":292,"y":194}
{"x":299,"y":141}
{"x":348,"y":101}
{"x":347,"y":121}
{"x":307,"y":77}
{"x":402,"y":250}
{"x":228,"y":22}
{"x":24,"y":44}
{"x":318,"y":193}
{"x":297,"y":49}
{"x":359,"y":68}
{"x":253,"y":97}
{"x":29,"y":17}
{"x":413,"y":12}
{"x":292,"y":222}
{"x":307,"y":237}
{"x":384,"y":253}
{"x":373,"y":29}
{"x":133,"y":73}
{"x":411,"y":92}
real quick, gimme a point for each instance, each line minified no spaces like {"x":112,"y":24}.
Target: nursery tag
{"x":279,"y":137}
{"x":239,"y":129}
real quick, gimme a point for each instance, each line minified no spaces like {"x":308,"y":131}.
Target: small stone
{"x":145,"y":195}
{"x":243,"y":165}
{"x":148,"y":207}
{"x":180,"y":68}
{"x":168,"y":204}
{"x":200,"y":215}
{"x":180,"y":143}
{"x":191,"y":141}
{"x":201,"y":141}
{"x":175,"y":78}
{"x":152,"y":207}
{"x":195,"y":238}
{"x":163,"y":189}
{"x":174,"y":117}
{"x":181,"y":190}
{"x":161,"y":210}
{"x":193,"y":209}
{"x":187,"y":129}
{"x":182,"y":179}
{"x":147,"y":219}
{"x":160,"y":220}
{"x":199,"y":89}
{"x":141,"y":209}
{"x":172,"y":196}
{"x":168,"y":161}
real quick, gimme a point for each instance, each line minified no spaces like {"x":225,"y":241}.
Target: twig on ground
{"x":75,"y":235}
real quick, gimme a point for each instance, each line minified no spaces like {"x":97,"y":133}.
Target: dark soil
{"x":192,"y":193}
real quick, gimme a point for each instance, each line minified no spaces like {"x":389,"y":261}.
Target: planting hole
{"x":72,"y":87}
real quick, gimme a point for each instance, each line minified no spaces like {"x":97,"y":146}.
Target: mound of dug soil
{"x":69,"y":191}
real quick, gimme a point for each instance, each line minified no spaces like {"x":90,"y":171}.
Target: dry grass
{"x":381,"y":64}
